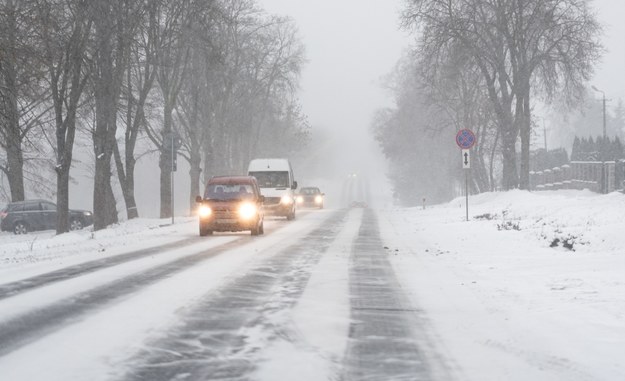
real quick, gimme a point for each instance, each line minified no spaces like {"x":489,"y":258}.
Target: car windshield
{"x":272,"y":179}
{"x":228,"y":191}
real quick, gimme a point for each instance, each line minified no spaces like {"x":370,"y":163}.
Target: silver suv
{"x":24,"y":216}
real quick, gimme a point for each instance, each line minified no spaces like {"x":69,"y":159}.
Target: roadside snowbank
{"x":39,"y":252}
{"x":504,"y":297}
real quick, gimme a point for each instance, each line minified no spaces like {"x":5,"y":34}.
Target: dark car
{"x":23,"y":216}
{"x":310,"y":197}
{"x":358,"y":204}
{"x":230,"y":204}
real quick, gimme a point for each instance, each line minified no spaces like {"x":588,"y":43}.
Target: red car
{"x":230,"y":204}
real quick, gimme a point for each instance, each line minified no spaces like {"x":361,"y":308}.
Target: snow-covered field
{"x":531,"y":288}
{"x":502,"y":302}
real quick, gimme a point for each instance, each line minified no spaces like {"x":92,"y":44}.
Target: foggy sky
{"x":351,"y":44}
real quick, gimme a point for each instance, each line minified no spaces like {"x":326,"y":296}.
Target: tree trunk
{"x":62,"y":199}
{"x":165,"y":162}
{"x":104,"y":205}
{"x":15,"y":158}
{"x":491,"y":169}
{"x":510,"y":176}
{"x":15,"y":162}
{"x":526,"y":132}
{"x":126,"y":181}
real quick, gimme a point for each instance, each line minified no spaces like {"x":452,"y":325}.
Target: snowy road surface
{"x":208,"y":308}
{"x":344,"y":294}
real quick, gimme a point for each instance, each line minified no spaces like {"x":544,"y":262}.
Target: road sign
{"x":465,"y":138}
{"x":172,"y":140}
{"x":466,"y":158}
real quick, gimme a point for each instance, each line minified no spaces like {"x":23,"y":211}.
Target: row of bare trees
{"x":486,"y":61}
{"x":131,"y":74}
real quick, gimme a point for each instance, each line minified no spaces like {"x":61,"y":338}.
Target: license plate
{"x":227,"y":221}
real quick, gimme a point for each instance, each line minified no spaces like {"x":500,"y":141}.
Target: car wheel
{"x":20,"y":228}
{"x":291,"y":216}
{"x":255,"y":230}
{"x":205,"y":231}
{"x":261,"y":230}
{"x":75,"y":225}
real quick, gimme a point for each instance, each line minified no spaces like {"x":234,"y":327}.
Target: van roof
{"x":269,"y":164}
{"x":228,"y":180}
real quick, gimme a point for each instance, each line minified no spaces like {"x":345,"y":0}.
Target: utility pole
{"x":545,"y":134}
{"x":604,"y":177}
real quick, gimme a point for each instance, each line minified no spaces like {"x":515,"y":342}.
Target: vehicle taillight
{"x":3,"y":214}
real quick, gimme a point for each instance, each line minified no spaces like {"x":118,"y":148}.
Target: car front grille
{"x":272,"y":200}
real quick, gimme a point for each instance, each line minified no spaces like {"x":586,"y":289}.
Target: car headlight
{"x":205,"y":211}
{"x":87,"y":213}
{"x":286,"y":200}
{"x":299,"y":199}
{"x":318,"y":199}
{"x":247,"y":211}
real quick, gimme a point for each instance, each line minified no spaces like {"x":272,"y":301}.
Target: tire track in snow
{"x":382,"y":341}
{"x":20,"y":286}
{"x":31,"y":326}
{"x":27,"y":284}
{"x":219,"y":338}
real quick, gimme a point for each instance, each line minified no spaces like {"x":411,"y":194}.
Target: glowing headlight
{"x":299,"y":199}
{"x":247,"y":211}
{"x":318,"y":199}
{"x":205,"y":211}
{"x":286,"y":199}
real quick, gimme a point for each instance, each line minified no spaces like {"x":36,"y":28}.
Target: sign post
{"x":173,"y":142}
{"x":465,"y":139}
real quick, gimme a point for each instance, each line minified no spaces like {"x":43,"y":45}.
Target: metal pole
{"x":171,"y":172}
{"x":466,"y":190}
{"x":545,"y":134}
{"x":604,"y":118}
{"x":604,"y":175}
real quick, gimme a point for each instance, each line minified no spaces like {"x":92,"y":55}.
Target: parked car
{"x":310,"y":197}
{"x":231,"y":203}
{"x":23,"y":216}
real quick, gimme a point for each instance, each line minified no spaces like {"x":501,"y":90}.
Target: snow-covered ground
{"x":531,"y":288}
{"x":504,"y":298}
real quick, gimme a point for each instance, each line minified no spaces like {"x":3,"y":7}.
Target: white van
{"x":275,"y":178}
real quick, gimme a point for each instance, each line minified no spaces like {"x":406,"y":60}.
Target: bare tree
{"x":140,"y":76}
{"x":65,"y":29}
{"x":115,"y":22}
{"x":517,"y":46}
{"x":22,"y":95}
{"x":171,"y":55}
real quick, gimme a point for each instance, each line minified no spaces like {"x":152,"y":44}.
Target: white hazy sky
{"x":351,"y":44}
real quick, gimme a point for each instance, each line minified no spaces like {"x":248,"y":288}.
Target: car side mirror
{"x":294,"y":186}
{"x":199,"y":199}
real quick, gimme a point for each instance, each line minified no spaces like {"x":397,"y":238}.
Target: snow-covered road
{"x":345,"y":294}
{"x":216,"y":308}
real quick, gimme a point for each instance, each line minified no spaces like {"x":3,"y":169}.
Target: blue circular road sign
{"x":465,"y":138}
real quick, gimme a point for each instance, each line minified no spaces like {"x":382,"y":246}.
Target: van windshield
{"x":272,"y":179}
